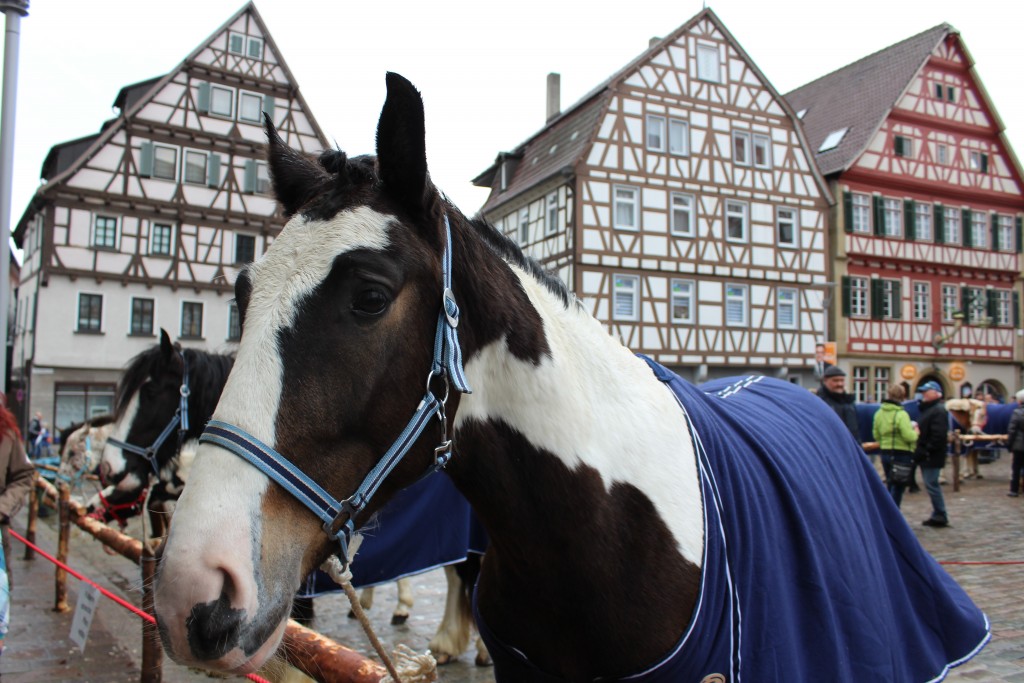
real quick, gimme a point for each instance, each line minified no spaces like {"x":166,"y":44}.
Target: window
{"x":90,"y":313}
{"x":683,"y":304}
{"x":903,"y":146}
{"x":832,"y":140}
{"x":255,"y":48}
{"x":923,"y":222}
{"x":881,"y":383}
{"x":551,"y":226}
{"x":951,"y":93}
{"x":708,"y":64}
{"x":938,"y":91}
{"x":104,"y":233}
{"x":249,"y":107}
{"x":977,"y":307}
{"x":142,"y":318}
{"x":950,"y":302}
{"x":1005,"y":234}
{"x":860,"y":383}
{"x":762,"y":151}
{"x":236,"y":43}
{"x":736,"y":313}
{"x":785,"y":227}
{"x":951,"y":226}
{"x":786,"y":308}
{"x":195,"y":167}
{"x":741,"y":148}
{"x":263,"y":185}
{"x":191,"y":320}
{"x":245,"y":249}
{"x":234,"y":322}
{"x":161,"y":235}
{"x":1003,"y":306}
{"x":922,"y":301}
{"x":862,"y":213}
{"x":524,"y":226}
{"x":256,"y":177}
{"x":625,"y":210}
{"x":656,"y":133}
{"x":979,"y":230}
{"x":893,"y":218}
{"x":678,"y":137}
{"x":859,"y":297}
{"x":165,"y":162}
{"x":942,"y":154}
{"x":625,"y":297}
{"x":978,"y":162}
{"x":735,"y":221}
{"x":682,"y":215}
{"x":221,"y":101}
{"x":890,"y":299}
{"x":78,"y":402}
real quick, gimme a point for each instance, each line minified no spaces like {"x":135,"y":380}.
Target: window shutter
{"x":213,"y":171}
{"x":877,"y":294}
{"x":203,"y":98}
{"x":848,"y":212}
{"x":897,"y":300}
{"x":1016,"y":309}
{"x":249,"y":180}
{"x":847,"y":296}
{"x":940,"y":224}
{"x":909,"y":227}
{"x":1018,"y":234}
{"x":965,"y":304}
{"x":992,"y":304}
{"x":984,"y":163}
{"x":966,"y":228}
{"x":268,"y":106}
{"x":897,"y":145}
{"x":993,"y":243}
{"x":146,"y":160}
{"x":879,"y":215}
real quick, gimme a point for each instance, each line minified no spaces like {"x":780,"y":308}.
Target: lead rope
{"x":412,"y":666}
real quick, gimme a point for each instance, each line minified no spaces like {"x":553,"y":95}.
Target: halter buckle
{"x":451,"y":309}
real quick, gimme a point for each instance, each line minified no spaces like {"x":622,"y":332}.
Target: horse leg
{"x":365,"y":601}
{"x":401,"y":613}
{"x":452,"y":637}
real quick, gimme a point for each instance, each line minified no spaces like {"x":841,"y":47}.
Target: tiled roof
{"x":859,"y":96}
{"x":130,"y":94}
{"x":64,"y":154}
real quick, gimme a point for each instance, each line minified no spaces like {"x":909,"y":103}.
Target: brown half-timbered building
{"x":927,"y":224}
{"x":146,"y":224}
{"x":680,"y":202}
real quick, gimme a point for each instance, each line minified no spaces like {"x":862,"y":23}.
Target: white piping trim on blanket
{"x":984,"y":641}
{"x":738,"y":386}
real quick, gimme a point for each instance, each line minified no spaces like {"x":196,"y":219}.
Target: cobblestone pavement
{"x":986,"y":526}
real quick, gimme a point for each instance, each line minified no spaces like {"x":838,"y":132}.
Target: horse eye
{"x":371,"y":301}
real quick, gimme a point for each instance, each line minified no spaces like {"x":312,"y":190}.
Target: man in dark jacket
{"x":930,"y":454}
{"x":1015,"y":443}
{"x":833,"y":392}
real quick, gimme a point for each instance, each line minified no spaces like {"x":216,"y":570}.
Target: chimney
{"x":554,"y":96}
{"x":653,"y":41}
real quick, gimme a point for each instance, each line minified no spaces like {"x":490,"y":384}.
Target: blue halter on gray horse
{"x":640,"y":527}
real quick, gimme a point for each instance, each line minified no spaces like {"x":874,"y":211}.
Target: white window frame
{"x":629,"y":199}
{"x":860,"y":297}
{"x":1005,"y":233}
{"x":263,"y":184}
{"x":979,"y":230}
{"x":117,"y":232}
{"x":243,"y":96}
{"x":249,"y":45}
{"x":759,"y":141}
{"x":1004,"y":307}
{"x":524,"y":225}
{"x":942,"y":154}
{"x":737,"y":209}
{"x":228,"y":98}
{"x":181,"y":319}
{"x":974,"y":160}
{"x":241,"y":37}
{"x":860,"y":383}
{"x":741,"y":153}
{"x":157,"y":149}
{"x":952,"y":228}
{"x":923,"y":222}
{"x":678,"y":137}
{"x":680,"y":204}
{"x":780,"y":220}
{"x":152,"y":239}
{"x":740,"y":295}
{"x":709,"y":63}
{"x":922,"y":301}
{"x":687,"y":293}
{"x":655,"y":137}
{"x":626,"y":286}
{"x":185,"y":167}
{"x":131,"y":316}
{"x":977,"y":303}
{"x":892,"y":217}
{"x":890,"y":305}
{"x":950,"y":302}
{"x":882,"y":379}
{"x":551,"y":224}
{"x":233,"y":315}
{"x":861,"y":217}
{"x":787,"y":298}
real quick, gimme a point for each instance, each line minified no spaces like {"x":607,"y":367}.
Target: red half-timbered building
{"x":926,"y":231}
{"x":145,"y":224}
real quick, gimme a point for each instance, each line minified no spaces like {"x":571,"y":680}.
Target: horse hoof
{"x":483,"y":660}
{"x":399,"y":619}
{"x":351,"y":614}
{"x":443,"y":658}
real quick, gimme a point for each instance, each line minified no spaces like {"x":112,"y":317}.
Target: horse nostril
{"x":213,"y":628}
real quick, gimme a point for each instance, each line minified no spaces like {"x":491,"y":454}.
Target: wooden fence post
{"x":956,"y":461}
{"x":61,"y":576}
{"x":152,"y":650}
{"x":33,"y":517}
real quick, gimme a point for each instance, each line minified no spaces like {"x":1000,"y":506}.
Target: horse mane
{"x":207,"y":374}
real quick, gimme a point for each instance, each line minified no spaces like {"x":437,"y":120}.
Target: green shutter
{"x":940,"y":224}
{"x":909,"y":226}
{"x":879,"y":215}
{"x":992,"y":304}
{"x":847,"y":296}
{"x":967,"y":228}
{"x":1018,"y":236}
{"x":897,"y":145}
{"x":1016,"y":309}
{"x":249,"y":180}
{"x":847,"y":212}
{"x":897,"y":300}
{"x":965,"y":304}
{"x":877,"y":294}
{"x":268,"y":106}
{"x":984,"y":163}
{"x":146,"y":160}
{"x":213,"y":171}
{"x":203,"y":98}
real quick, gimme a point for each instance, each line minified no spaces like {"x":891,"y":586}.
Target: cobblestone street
{"x":986,"y":526}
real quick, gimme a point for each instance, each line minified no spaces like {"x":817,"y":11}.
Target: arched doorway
{"x":992,"y":388}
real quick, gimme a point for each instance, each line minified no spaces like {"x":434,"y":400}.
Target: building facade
{"x":146,"y":224}
{"x":680,"y":202}
{"x":926,"y":232}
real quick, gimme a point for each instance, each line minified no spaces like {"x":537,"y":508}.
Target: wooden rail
{"x":960,"y":442}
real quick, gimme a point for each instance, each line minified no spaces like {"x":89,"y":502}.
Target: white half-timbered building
{"x":680,"y":202}
{"x":927,"y":226}
{"x":145,"y":224}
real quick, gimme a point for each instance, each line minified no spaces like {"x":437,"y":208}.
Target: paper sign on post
{"x":85,"y":609}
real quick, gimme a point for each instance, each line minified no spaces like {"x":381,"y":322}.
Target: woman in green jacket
{"x":896,"y":436}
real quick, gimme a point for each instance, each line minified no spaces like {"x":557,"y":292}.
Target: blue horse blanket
{"x":810,"y":571}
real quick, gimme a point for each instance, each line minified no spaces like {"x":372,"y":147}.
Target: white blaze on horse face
{"x":113,"y":459}
{"x":639,"y":438}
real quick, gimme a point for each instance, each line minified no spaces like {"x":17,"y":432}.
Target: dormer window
{"x":832,"y":140}
{"x":255,"y":49}
{"x":236,"y":43}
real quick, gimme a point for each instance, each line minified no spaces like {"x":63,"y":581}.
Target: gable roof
{"x":560,"y":145}
{"x":860,"y":96}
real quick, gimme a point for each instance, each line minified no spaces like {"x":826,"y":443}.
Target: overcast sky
{"x":481,"y":66}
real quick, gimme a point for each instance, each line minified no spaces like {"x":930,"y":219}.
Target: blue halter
{"x":179,"y":420}
{"x":338,"y":517}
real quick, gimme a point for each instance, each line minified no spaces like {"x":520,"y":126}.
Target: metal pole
{"x":15,"y":10}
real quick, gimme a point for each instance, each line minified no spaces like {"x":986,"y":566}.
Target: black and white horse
{"x":640,"y":527}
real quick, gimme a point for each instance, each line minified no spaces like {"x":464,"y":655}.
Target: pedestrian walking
{"x":1015,"y":443}
{"x":930,"y":452}
{"x":897,"y":439}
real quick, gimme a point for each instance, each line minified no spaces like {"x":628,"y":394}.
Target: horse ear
{"x":401,"y":146}
{"x":166,"y":347}
{"x":295,"y":177}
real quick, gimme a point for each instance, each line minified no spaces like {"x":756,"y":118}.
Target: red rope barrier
{"x":130,"y":607}
{"x":965,"y":562}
